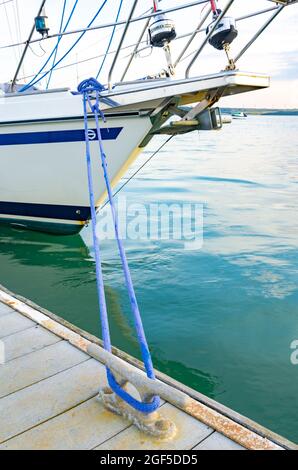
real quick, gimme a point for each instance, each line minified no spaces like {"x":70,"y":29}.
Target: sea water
{"x":220,"y":316}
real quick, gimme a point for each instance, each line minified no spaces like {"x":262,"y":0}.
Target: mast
{"x":14,"y":80}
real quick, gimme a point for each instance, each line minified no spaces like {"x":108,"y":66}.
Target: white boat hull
{"x":43,"y":178}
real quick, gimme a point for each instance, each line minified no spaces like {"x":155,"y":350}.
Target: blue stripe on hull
{"x":50,"y":137}
{"x":47,"y":211}
{"x":54,"y":228}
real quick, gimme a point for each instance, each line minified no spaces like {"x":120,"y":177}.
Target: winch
{"x":224,"y":32}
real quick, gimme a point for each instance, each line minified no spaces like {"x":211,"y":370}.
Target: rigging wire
{"x":111,"y":40}
{"x":183,"y":36}
{"x":9,"y":27}
{"x":58,"y":41}
{"x":139,"y":169}
{"x":18,"y":17}
{"x":73,"y":64}
{"x":27,"y":43}
{"x":95,"y":44}
{"x":110,"y":25}
{"x":15,"y":8}
{"x":108,"y":35}
{"x":35,"y":53}
{"x":34,"y":81}
{"x":44,"y":52}
{"x":203,"y":30}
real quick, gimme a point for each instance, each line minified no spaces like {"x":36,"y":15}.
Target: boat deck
{"x":49,"y":387}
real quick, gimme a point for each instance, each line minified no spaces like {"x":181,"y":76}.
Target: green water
{"x":220,"y":319}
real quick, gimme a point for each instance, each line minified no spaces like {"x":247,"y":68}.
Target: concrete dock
{"x":49,"y":386}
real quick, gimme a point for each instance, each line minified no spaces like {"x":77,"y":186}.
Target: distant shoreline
{"x":261,"y":111}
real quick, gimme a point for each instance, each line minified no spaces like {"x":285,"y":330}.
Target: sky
{"x":274,"y":53}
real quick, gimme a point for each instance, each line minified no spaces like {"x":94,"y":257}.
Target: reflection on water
{"x":58,"y":273}
{"x":220,"y":319}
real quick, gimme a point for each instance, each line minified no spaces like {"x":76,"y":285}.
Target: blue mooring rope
{"x":90,"y":88}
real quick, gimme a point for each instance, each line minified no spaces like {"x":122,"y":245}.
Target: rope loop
{"x":89,"y":85}
{"x":87,"y":88}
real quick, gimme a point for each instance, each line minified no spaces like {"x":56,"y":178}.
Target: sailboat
{"x":43,"y":175}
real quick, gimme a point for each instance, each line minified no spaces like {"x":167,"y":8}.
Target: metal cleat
{"x":152,"y":424}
